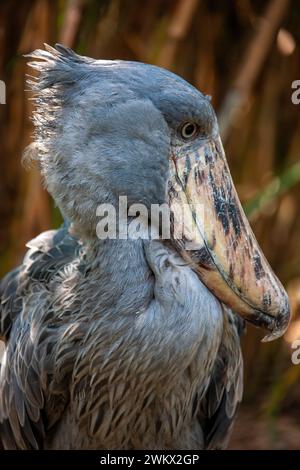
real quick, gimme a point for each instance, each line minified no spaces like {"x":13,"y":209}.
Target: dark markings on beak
{"x":258,"y":269}
{"x":234,"y":215}
{"x":218,"y":150}
{"x":178,"y":181}
{"x":208,"y":157}
{"x":199,"y":176}
{"x":173,"y":194}
{"x":267,"y":301}
{"x":219,"y":203}
{"x":234,"y":212}
{"x":226,"y":207}
{"x":203,"y":258}
{"x":234,"y":244}
{"x":213,"y":240}
{"x":231,"y":272}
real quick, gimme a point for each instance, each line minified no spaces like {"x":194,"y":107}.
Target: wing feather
{"x":224,"y":393}
{"x":26,"y":369}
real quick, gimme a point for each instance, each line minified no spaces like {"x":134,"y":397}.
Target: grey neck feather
{"x":141,"y":286}
{"x":121,"y":274}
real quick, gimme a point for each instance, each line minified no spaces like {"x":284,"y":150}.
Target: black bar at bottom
{"x":132,"y":459}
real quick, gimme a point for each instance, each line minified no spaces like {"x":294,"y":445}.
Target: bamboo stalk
{"x":254,"y":60}
{"x":71,"y":22}
{"x":177,"y":29}
{"x":34,"y":201}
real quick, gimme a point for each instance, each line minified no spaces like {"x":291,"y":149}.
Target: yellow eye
{"x":188,"y":130}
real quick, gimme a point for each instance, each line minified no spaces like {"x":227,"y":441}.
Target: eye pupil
{"x":188,"y":130}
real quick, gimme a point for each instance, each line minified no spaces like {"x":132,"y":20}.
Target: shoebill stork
{"x":130,"y":343}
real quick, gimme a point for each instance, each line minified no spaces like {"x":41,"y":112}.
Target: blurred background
{"x":245,"y":54}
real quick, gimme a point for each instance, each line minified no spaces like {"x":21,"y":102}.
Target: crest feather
{"x":59,"y":73}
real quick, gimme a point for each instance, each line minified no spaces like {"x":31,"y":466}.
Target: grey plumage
{"x":114,"y":343}
{"x":121,"y":376}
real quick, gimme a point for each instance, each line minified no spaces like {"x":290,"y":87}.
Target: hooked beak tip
{"x":280,"y":325}
{"x":275,"y":324}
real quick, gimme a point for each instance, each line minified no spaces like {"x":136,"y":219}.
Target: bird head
{"x":105,"y":129}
